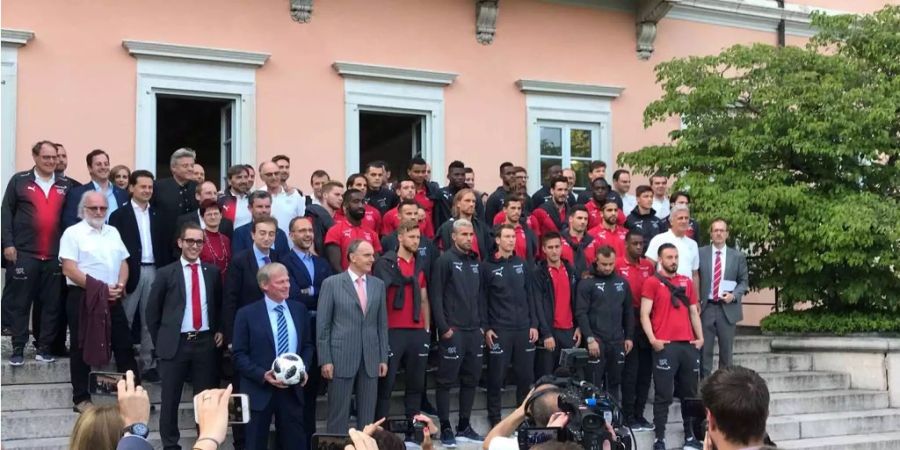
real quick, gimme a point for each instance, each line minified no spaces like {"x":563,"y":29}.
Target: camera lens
{"x":592,"y":423}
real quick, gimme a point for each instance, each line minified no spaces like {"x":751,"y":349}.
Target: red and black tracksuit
{"x":554,"y":296}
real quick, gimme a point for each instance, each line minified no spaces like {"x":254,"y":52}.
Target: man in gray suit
{"x":723,"y":282}
{"x":351,"y":326}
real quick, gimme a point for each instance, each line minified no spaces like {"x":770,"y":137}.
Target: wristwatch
{"x":137,"y":429}
{"x":590,"y":339}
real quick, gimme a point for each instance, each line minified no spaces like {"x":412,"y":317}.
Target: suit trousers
{"x":287,"y":409}
{"x":607,"y":369}
{"x":311,"y":390}
{"x":120,"y":341}
{"x":546,"y":361}
{"x":676,"y":369}
{"x":198,"y":357}
{"x":636,"y":376}
{"x":461,"y":360}
{"x":339,"y":392}
{"x":716,"y":326}
{"x":137,"y":300}
{"x":33,"y":290}
{"x":510,"y":346}
{"x":409,"y":348}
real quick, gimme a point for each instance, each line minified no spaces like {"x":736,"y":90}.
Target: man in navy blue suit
{"x":263,"y":330}
{"x":260,"y":205}
{"x":307,"y":271}
{"x":98,"y":167}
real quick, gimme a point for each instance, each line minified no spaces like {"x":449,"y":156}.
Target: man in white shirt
{"x":622,"y":184}
{"x":688,"y":253}
{"x":659,"y":183}
{"x":94,"y":263}
{"x":285,"y":204}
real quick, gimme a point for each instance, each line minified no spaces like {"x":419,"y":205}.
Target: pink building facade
{"x":336,"y":83}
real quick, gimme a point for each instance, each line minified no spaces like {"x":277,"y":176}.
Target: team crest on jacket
{"x":520,"y":268}
{"x":620,"y":287}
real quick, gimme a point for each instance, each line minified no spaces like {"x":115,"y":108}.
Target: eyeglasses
{"x":97,"y":209}
{"x":194,"y":242}
{"x":269,"y":174}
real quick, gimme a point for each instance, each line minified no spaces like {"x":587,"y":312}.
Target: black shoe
{"x":469,"y":435}
{"x":18,"y":357}
{"x":659,"y":444}
{"x":692,"y":443}
{"x":645,"y":426}
{"x":150,"y":376}
{"x":427,"y":408}
{"x":447,"y":438}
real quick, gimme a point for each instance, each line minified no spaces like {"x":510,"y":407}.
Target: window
{"x":572,"y":145}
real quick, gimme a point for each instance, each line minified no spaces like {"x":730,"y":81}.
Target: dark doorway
{"x":390,"y":137}
{"x":202,"y":124}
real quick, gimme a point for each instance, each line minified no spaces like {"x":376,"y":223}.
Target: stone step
{"x":769,"y":362}
{"x":750,"y":344}
{"x":59,"y":395}
{"x":805,"y":381}
{"x":35,"y":372}
{"x":827,"y":424}
{"x":872,"y":441}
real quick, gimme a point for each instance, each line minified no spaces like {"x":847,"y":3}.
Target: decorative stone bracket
{"x":486,"y":20}
{"x":301,"y":10}
{"x":649,"y":12}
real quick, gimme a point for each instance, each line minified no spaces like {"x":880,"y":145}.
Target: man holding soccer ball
{"x":270,"y":373}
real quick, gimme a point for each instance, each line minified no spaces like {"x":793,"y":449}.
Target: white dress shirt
{"x":273,"y":321}
{"x":98,"y":253}
{"x":45,"y":185}
{"x":143,"y":223}
{"x":629,"y":202}
{"x":661,"y":206}
{"x":286,"y":206}
{"x":242,"y":212}
{"x":688,"y":252}
{"x":187,"y":322}
{"x":712,"y":268}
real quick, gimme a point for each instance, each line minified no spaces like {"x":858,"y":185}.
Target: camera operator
{"x":605,"y":316}
{"x":670,"y":317}
{"x":540,"y":404}
{"x":737,"y":406}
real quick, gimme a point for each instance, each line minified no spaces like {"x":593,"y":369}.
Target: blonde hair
{"x":98,"y":428}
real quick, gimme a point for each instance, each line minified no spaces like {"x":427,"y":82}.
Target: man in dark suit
{"x":139,"y":228}
{"x":263,"y":330}
{"x":98,"y":167}
{"x":174,"y":196}
{"x":724,"y":280}
{"x":352,"y":338}
{"x":183,"y":316}
{"x":205,"y":190}
{"x":260,"y":204}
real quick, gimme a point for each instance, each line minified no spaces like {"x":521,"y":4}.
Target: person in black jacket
{"x":643,"y":218}
{"x":605,"y":315}
{"x":526,"y":241}
{"x":554,"y":295}
{"x":509,"y":318}
{"x":456,"y":181}
{"x":454,"y":308}
{"x":377,"y":194}
{"x":464,"y":207}
{"x":494,"y":203}
{"x":174,"y":196}
{"x":427,"y":253}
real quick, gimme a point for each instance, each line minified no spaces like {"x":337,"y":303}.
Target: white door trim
{"x":11,"y":41}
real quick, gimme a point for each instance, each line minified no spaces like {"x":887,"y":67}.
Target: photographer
{"x":737,"y":406}
{"x":605,"y":316}
{"x":539,"y":406}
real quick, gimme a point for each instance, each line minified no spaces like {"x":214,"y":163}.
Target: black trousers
{"x":197,"y":356}
{"x":461,"y":361}
{"x":120,"y":341}
{"x":287,"y":409}
{"x":311,"y":390}
{"x":546,"y":361}
{"x":407,"y":347}
{"x":676,"y":369}
{"x":33,"y":289}
{"x":510,"y":346}
{"x":636,"y":376}
{"x":606,"y":370}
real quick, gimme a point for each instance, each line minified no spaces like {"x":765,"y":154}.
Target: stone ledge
{"x":837,"y":344}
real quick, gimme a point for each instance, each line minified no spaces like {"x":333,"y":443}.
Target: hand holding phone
{"x":104,"y":383}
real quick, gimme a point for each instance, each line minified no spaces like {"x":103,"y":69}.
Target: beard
{"x":96,"y":222}
{"x":357,"y":214}
{"x":671,"y":270}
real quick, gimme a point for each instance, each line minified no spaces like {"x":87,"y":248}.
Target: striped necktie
{"x":717,"y":276}
{"x":283,"y":342}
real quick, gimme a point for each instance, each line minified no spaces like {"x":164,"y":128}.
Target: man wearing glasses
{"x":32,"y":207}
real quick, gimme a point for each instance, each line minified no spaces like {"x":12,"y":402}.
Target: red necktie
{"x":195,"y":297}
{"x":717,"y":275}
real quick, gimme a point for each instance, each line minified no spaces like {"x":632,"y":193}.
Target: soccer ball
{"x":289,"y":369}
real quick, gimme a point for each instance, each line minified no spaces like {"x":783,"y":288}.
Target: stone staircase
{"x":809,"y":409}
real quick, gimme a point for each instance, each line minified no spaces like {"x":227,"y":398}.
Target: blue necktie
{"x":267,"y":260}
{"x":283,"y":342}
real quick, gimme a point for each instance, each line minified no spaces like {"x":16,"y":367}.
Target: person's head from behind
{"x":737,"y":406}
{"x":387,"y":440}
{"x":98,"y":428}
{"x":542,"y":404}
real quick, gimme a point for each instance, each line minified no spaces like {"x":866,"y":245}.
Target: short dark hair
{"x":257,"y":195}
{"x":600,"y":180}
{"x":738,"y":399}
{"x":504,"y":165}
{"x":674,"y":197}
{"x":93,"y":154}
{"x":633,"y":232}
{"x":665,"y":246}
{"x":36,"y":148}
{"x":378,"y":164}
{"x":270,"y":220}
{"x":605,"y":251}
{"x":318,"y":173}
{"x":559,"y":179}
{"x":386,"y":440}
{"x":596,"y":165}
{"x":514,"y":197}
{"x":619,"y":173}
{"x":208,"y":203}
{"x":470,"y":170}
{"x":345,"y":200}
{"x":236,"y":169}
{"x":498,"y":229}
{"x":641,"y":189}
{"x":353,"y":178}
{"x":576,"y":208}
{"x":457,"y":164}
{"x":658,"y":175}
{"x":132,"y":179}
{"x":295,"y":219}
{"x":608,"y":200}
{"x":277,"y":158}
{"x":407,"y":202}
{"x":550,"y":235}
{"x":416,"y":161}
{"x":188,"y":226}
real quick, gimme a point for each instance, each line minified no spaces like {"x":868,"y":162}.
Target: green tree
{"x":798,"y":148}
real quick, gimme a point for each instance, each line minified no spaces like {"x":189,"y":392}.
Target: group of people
{"x":180,"y":281}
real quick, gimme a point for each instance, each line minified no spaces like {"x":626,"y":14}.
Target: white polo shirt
{"x":98,"y":253}
{"x":286,"y":206}
{"x":688,"y":252}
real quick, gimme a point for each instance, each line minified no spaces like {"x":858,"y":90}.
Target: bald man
{"x":286,"y":204}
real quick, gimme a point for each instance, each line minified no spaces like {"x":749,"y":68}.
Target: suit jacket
{"x":241,"y":287}
{"x":300,"y":280}
{"x":241,"y":240}
{"x":125,"y":220}
{"x":226,"y":227}
{"x":167,"y":303}
{"x":345,"y":334}
{"x":735,"y":270}
{"x":70,"y":210}
{"x":254,"y":349}
{"x":170,"y":203}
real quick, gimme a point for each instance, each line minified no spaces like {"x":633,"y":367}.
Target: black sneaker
{"x":150,"y":376}
{"x":692,"y":443}
{"x":659,"y":445}
{"x":468,"y":434}
{"x":44,"y":357}
{"x":18,"y":357}
{"x":447,"y":438}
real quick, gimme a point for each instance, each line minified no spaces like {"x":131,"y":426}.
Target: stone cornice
{"x":16,"y":37}
{"x":752,"y":14}
{"x":553,"y":87}
{"x":159,"y":49}
{"x":357,"y":70}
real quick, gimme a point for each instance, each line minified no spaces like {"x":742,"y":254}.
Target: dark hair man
{"x":284,"y":172}
{"x":377,"y":194}
{"x":426,"y":191}
{"x":344,"y":232}
{"x":636,"y":269}
{"x":408,"y":320}
{"x":603,"y":310}
{"x":62,"y":163}
{"x":554,"y":283}
{"x":455,"y":303}
{"x":495,"y":202}
{"x":184,"y":321}
{"x":427,"y":252}
{"x":621,"y":185}
{"x":206,"y":190}
{"x":318,"y":178}
{"x":643,"y":217}
{"x":509,"y":319}
{"x":670,"y":316}
{"x":286,"y":203}
{"x":372,"y":217}
{"x":553,"y":215}
{"x":737,"y":407}
{"x":597,"y":172}
{"x":724,"y":279}
{"x":544,"y":194}
{"x":577,"y":244}
{"x":682,"y":198}
{"x":456,"y":181}
{"x":659,"y":182}
{"x":608,"y":232}
{"x":98,"y":167}
{"x":470,"y":178}
{"x":599,"y":194}
{"x":260,"y":205}
{"x":406,"y":191}
{"x":526,"y":241}
{"x":234,"y":200}
{"x":465,"y":207}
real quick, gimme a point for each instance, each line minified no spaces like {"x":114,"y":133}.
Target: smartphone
{"x":321,"y":441}
{"x":399,"y":426}
{"x":528,"y":437}
{"x":238,"y":409}
{"x":104,"y":383}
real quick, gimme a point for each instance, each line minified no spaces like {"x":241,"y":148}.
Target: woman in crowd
{"x":98,"y":428}
{"x":216,"y":246}
{"x":119,"y":175}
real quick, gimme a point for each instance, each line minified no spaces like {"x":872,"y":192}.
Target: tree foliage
{"x":798,"y":148}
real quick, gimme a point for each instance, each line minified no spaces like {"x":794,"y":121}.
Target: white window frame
{"x":572,"y":105}
{"x":12,"y":40}
{"x":195,"y":72}
{"x":395,"y":90}
{"x":566,"y":157}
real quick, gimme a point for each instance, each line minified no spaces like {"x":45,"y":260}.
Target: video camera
{"x":589,"y":409}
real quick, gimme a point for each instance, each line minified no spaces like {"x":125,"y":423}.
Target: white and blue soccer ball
{"x":289,"y":369}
